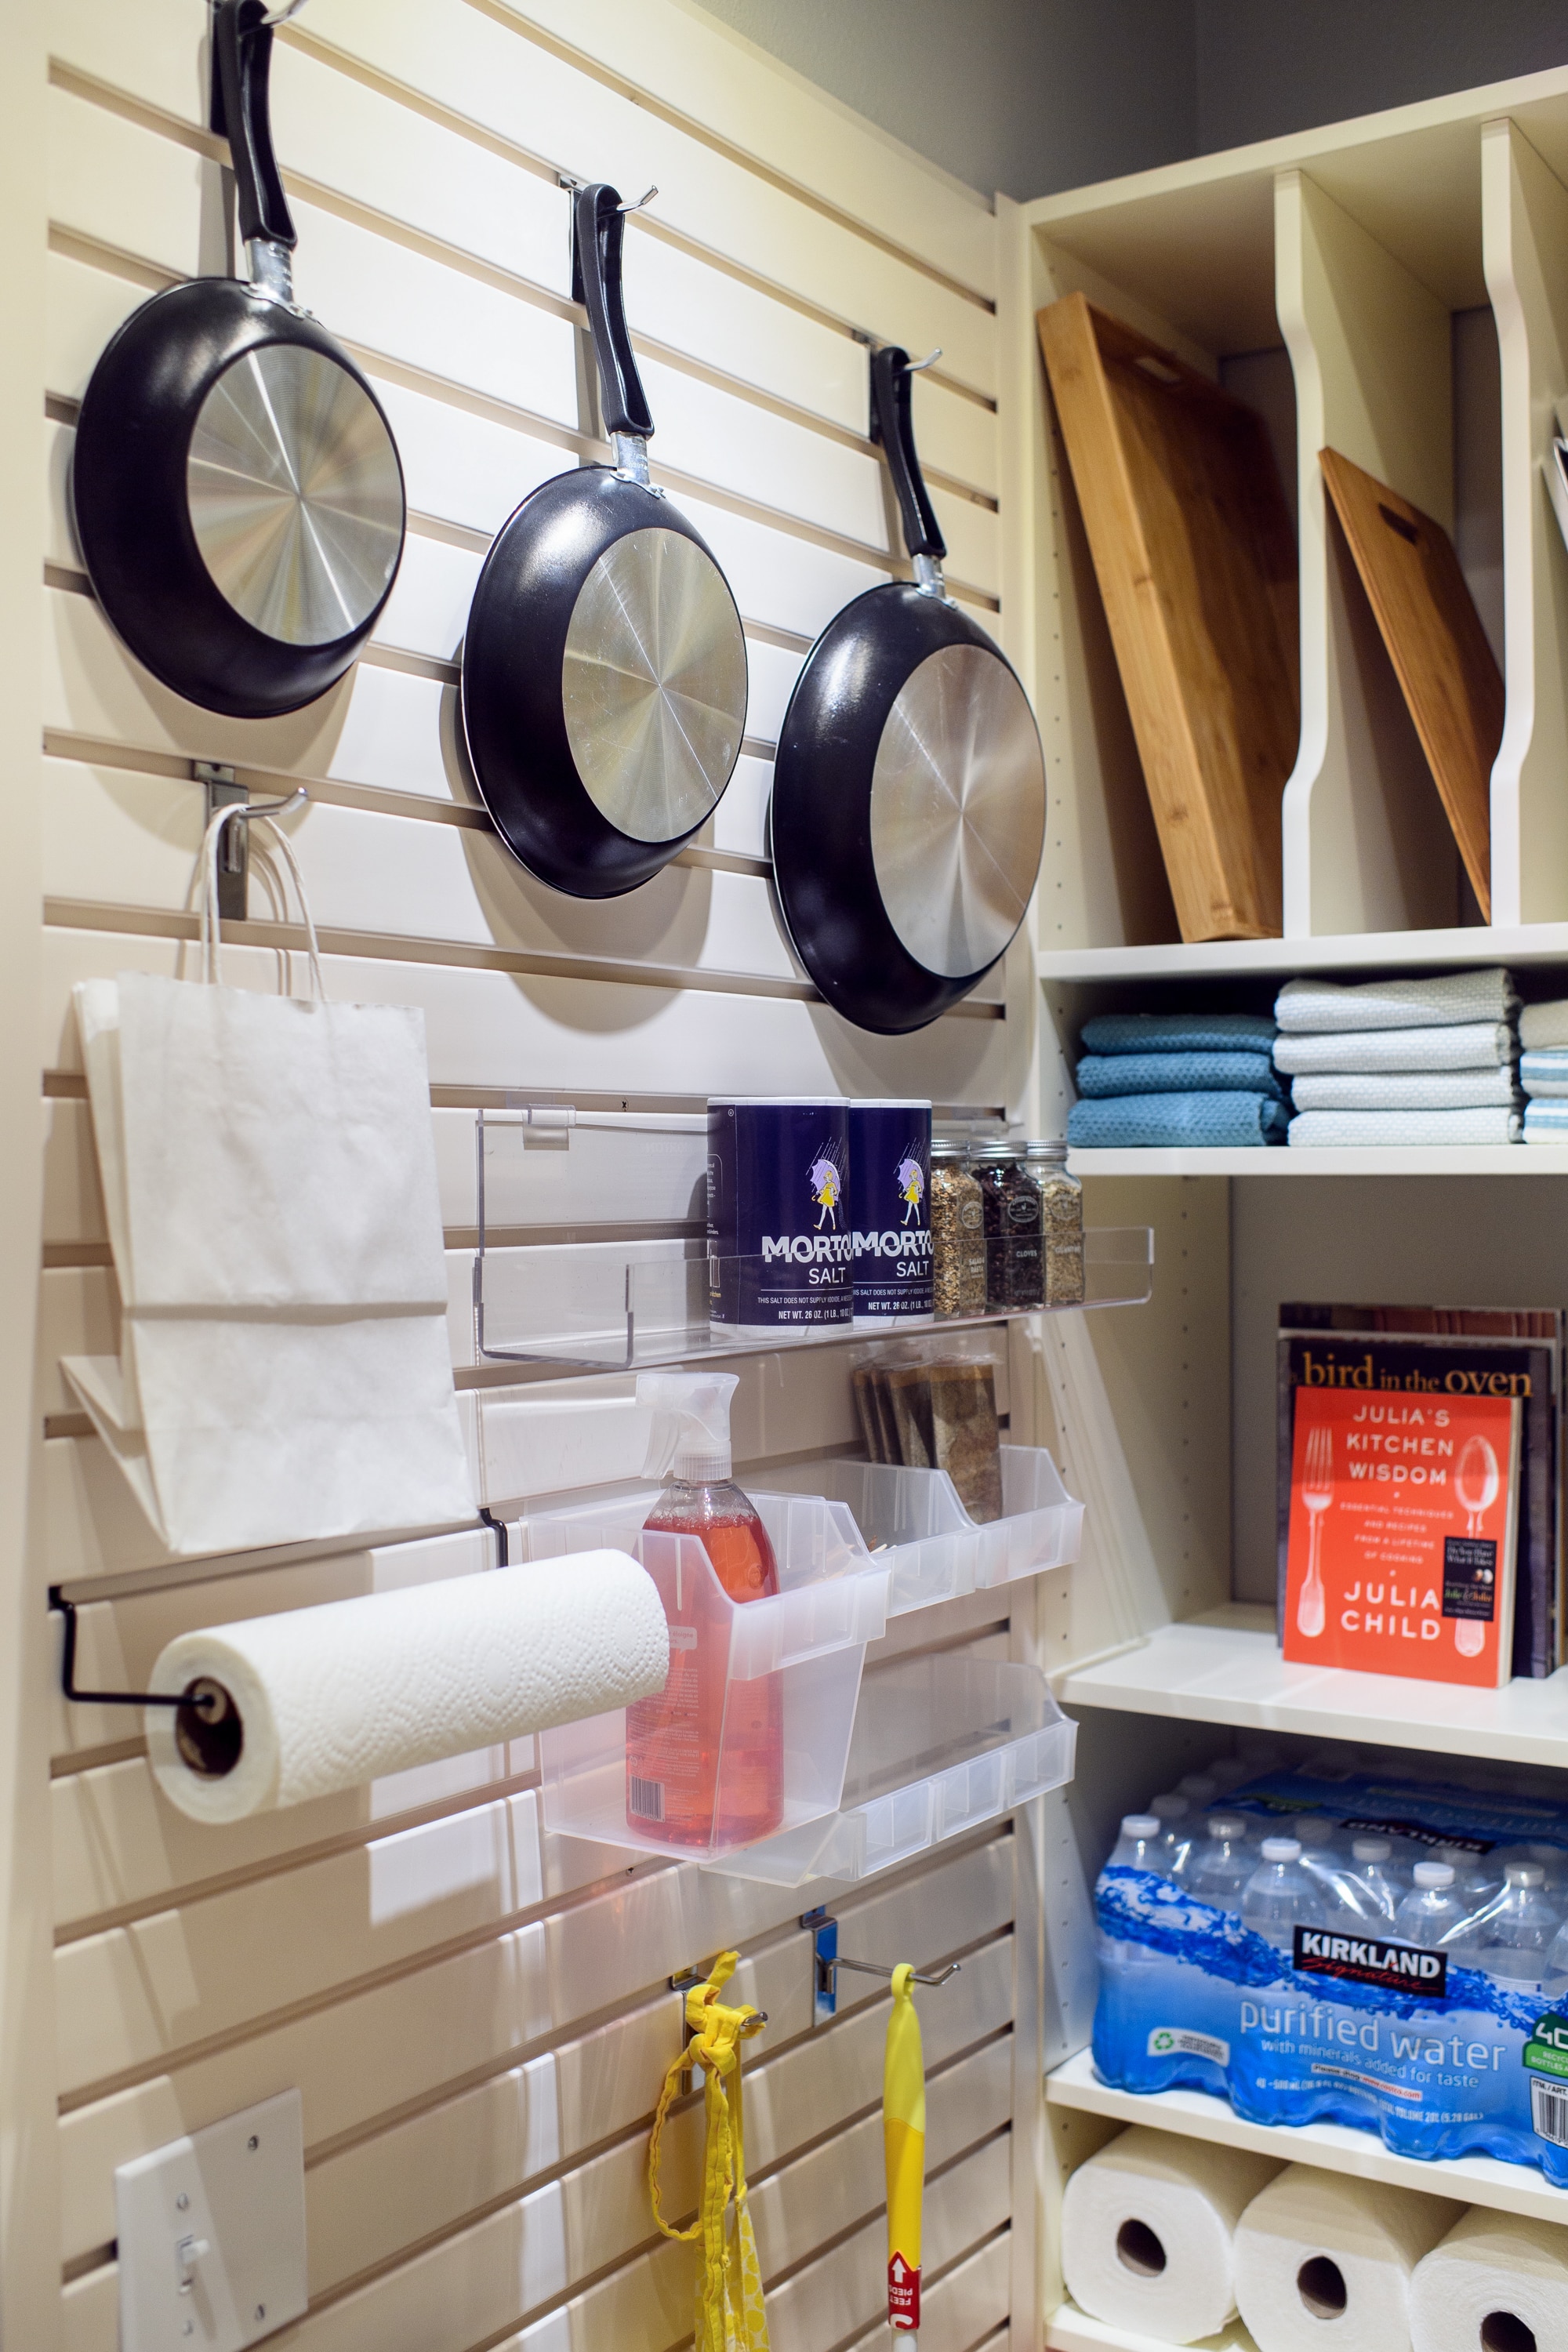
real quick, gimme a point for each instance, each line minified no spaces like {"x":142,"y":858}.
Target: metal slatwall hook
{"x":646,"y":198}
{"x":204,"y":1700}
{"x":680,"y":1986}
{"x":826,"y":1961}
{"x":919,"y":367}
{"x":279,"y":16}
{"x":227,"y":798}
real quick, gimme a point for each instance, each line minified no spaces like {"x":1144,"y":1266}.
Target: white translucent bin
{"x":811,"y":1636}
{"x":939,"y":1746}
{"x":916,"y":1525}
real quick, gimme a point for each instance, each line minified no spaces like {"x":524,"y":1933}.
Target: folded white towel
{"x":1544,"y":1073}
{"x":1406,"y":1090}
{"x":1544,"y":1024}
{"x":1470,"y":1045}
{"x":1349,"y":1130}
{"x":1484,"y":995}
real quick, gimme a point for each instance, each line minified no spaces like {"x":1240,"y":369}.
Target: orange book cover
{"x":1402,"y":1535}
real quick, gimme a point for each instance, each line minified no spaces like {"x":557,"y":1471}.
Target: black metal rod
{"x":111,"y":1698}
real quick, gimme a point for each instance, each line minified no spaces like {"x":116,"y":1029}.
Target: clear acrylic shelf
{"x":808,"y":1641}
{"x":914,"y":1524}
{"x":939,"y":1746}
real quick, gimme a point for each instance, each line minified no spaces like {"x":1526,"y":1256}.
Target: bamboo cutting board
{"x":1447,"y":670}
{"x":1196,"y":562}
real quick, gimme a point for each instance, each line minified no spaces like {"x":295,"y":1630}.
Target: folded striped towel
{"x":1178,"y":1074}
{"x":1546,"y":1072}
{"x":1152,"y":1122}
{"x":1342,"y":1130}
{"x":1178,"y":1032}
{"x":1546,"y":1122}
{"x":1469,"y":1045}
{"x":1484,"y":995}
{"x":1544,"y":1024}
{"x":1407,"y":1090}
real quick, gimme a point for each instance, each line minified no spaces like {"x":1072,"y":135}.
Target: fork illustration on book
{"x":1316,"y":1494}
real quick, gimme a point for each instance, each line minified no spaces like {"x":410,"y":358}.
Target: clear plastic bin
{"x":811,"y":1635}
{"x":913,"y":1521}
{"x":939,"y":1746}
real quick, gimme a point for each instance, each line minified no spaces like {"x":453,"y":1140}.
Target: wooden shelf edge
{"x":1332,"y":2147}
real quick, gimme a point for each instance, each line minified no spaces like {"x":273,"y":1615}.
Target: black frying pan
{"x":909,"y":802}
{"x":238,"y":496}
{"x":604,"y":665}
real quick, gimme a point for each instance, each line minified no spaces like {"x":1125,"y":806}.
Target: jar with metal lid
{"x":1014,"y":1215}
{"x":1061,"y":1205}
{"x":957,"y":1234}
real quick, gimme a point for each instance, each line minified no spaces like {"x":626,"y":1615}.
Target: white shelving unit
{"x":1398,"y":288}
{"x":1473,"y":2180}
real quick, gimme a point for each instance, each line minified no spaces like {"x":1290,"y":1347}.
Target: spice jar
{"x":1061,"y":1203}
{"x":1013,"y":1215}
{"x":957,"y":1234}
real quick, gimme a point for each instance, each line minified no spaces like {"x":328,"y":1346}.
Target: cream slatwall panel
{"x":476,"y":2015}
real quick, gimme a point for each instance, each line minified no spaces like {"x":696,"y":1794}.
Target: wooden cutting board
{"x":1446,"y":670}
{"x":1196,"y":562}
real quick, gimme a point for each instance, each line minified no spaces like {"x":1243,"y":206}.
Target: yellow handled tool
{"x":904,"y":2148}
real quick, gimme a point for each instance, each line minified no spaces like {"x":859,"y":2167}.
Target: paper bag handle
{"x":211,"y":928}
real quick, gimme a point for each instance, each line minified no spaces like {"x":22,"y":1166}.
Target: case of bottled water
{"x":1318,"y":1946}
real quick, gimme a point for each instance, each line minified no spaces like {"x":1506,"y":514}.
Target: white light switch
{"x":212,"y":2235}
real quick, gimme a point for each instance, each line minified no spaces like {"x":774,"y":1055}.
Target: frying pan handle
{"x":599,"y":228}
{"x":242,"y":42}
{"x":892,"y":425}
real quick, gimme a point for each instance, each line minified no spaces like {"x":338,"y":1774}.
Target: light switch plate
{"x":212,"y":2233}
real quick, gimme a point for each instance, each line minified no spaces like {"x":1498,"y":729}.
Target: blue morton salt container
{"x":779,"y":1255}
{"x":889,"y":1212}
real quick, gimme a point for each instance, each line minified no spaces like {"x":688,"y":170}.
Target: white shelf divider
{"x":1459,"y":943}
{"x":1334,"y":2148}
{"x":1071,"y":2330}
{"x":1278,"y":1159}
{"x":1226,"y":1667}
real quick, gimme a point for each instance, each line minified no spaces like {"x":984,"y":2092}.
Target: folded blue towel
{"x":1546,"y":1122}
{"x":1179,"y":1074}
{"x":1152,"y":1122}
{"x":1544,"y":1071}
{"x":1179,"y":1033}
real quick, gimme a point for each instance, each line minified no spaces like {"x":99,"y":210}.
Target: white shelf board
{"x":1226,"y":1667}
{"x":1522,"y":943}
{"x":1071,"y":2330}
{"x":1393,"y":1160}
{"x":1334,"y":2148}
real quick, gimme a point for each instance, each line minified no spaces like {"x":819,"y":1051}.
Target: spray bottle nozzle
{"x":690,"y":1434}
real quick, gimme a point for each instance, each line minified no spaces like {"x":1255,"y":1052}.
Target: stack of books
{"x":1420,"y":1490}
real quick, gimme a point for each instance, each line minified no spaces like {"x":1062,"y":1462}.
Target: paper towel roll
{"x":1497,"y":2283}
{"x":326,"y":1698}
{"x":1147,"y":2233}
{"x":1321,"y":2260}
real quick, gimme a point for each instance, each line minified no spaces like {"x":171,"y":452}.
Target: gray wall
{"x":1030,"y":96}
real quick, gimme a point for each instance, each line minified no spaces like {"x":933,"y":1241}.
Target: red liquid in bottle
{"x":705,"y":1758}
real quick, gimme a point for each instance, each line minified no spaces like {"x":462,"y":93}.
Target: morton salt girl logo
{"x":826,"y":1190}
{"x":1402,"y":1534}
{"x":911,"y":1185}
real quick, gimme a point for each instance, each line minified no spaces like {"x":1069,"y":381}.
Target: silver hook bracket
{"x":228,"y":799}
{"x":680,"y":1986}
{"x":646,"y":198}
{"x":827,"y":1959}
{"x":279,"y":16}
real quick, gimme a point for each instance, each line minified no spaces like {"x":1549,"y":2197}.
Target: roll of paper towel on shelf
{"x":1323,"y":2259}
{"x":315,"y":1701}
{"x":1148,"y":2227}
{"x":1497,"y":2283}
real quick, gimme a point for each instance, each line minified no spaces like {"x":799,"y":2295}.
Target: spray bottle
{"x":705,"y":1758}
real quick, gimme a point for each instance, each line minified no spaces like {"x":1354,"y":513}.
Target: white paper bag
{"x":269,"y":1180}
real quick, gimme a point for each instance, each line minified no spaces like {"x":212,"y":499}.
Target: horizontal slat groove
{"x":87,"y":915}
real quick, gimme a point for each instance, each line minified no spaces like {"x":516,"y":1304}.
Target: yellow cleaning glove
{"x":904,"y":2148}
{"x":730,"y":2314}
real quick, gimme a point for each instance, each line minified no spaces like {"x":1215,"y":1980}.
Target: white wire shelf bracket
{"x":1332,"y":2147}
{"x":1227,"y":1667}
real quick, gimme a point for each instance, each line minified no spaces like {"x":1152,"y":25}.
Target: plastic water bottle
{"x":1175,"y":1813}
{"x":1281,"y":1897}
{"x":1554,"y":1971}
{"x":1476,"y":1877}
{"x":1200,"y":1789}
{"x":1554,"y":1862}
{"x":1228,"y":1772}
{"x":1433,"y":1910}
{"x":1222,"y":1866}
{"x":1511,"y":1937}
{"x":1139,"y":1847}
{"x":1367,"y":1889}
{"x":1320,"y":1857}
